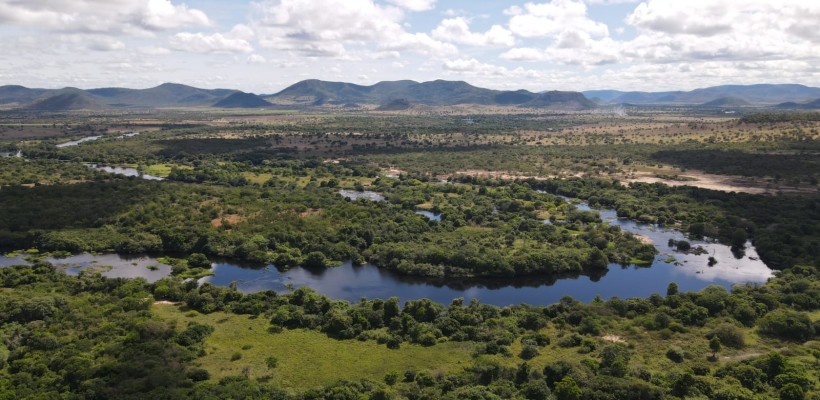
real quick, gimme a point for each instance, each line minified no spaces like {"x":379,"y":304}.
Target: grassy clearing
{"x":257,"y":179}
{"x":307,"y":358}
{"x":162,"y":170}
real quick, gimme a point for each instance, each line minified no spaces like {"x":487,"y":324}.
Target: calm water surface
{"x":691,"y":272}
{"x":127,"y":171}
{"x":78,"y":141}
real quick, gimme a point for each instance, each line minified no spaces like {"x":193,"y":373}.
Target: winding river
{"x":348,"y":282}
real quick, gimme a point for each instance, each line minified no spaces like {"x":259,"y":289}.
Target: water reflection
{"x":127,"y":171}
{"x":348,"y":282}
{"x":363,"y":194}
{"x":430,"y":215}
{"x":109,"y":265}
{"x":17,"y":154}
{"x":732,"y":266}
{"x":78,"y":141}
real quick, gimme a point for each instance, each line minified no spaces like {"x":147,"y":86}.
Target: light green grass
{"x":255,"y":178}
{"x":162,"y":170}
{"x":307,"y":358}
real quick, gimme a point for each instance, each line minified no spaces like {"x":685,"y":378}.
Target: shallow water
{"x":365,"y":194}
{"x":348,"y":282}
{"x":109,"y":265}
{"x":127,"y":171}
{"x":430,"y":215}
{"x":78,"y":141}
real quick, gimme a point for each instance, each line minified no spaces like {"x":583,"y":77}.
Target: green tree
{"x":791,"y":391}
{"x":672,"y":289}
{"x":715,"y":346}
{"x":567,"y":389}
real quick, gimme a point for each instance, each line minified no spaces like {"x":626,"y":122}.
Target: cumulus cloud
{"x":101,"y":16}
{"x":326,"y":27}
{"x":549,"y":19}
{"x":93,"y":42}
{"x":473,"y":67}
{"x":721,"y":29}
{"x":702,"y":18}
{"x":415,"y":5}
{"x":457,"y":30}
{"x":256,"y":59}
{"x":214,"y":43}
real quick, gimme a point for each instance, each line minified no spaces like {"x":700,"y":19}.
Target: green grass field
{"x":307,"y":358}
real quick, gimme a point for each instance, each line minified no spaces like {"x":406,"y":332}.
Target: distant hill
{"x":242,"y":100}
{"x":165,"y":95}
{"x":69,"y":101}
{"x":812,"y":105}
{"x":312,"y":93}
{"x":728,"y":101}
{"x":570,"y":101}
{"x":10,"y":94}
{"x":434,"y":93}
{"x":763,"y":94}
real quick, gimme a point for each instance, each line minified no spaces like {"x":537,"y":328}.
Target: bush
{"x":198,"y":375}
{"x":675,"y":354}
{"x":236,"y":356}
{"x":787,"y":324}
{"x":729,"y":335}
{"x":198,"y":260}
{"x":529,"y":352}
{"x":791,"y":391}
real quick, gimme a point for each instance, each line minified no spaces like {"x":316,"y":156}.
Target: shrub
{"x":529,"y":352}
{"x":787,"y":324}
{"x":729,"y":335}
{"x":198,"y":375}
{"x":675,"y":354}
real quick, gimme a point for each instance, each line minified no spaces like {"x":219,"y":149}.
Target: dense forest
{"x":282,"y":189}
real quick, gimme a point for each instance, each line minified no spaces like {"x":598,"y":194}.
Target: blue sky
{"x":263,"y":46}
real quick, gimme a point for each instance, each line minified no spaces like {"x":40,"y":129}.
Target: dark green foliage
{"x":528,"y":352}
{"x":198,"y":260}
{"x":729,"y":335}
{"x":791,"y":391}
{"x":567,"y":389}
{"x":787,"y":324}
{"x":675,"y":354}
{"x":615,"y":360}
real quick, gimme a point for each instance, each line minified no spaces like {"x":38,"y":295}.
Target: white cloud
{"x":137,"y":17}
{"x":692,"y":17}
{"x":93,"y":42}
{"x":714,"y":30}
{"x":457,"y":30}
{"x":549,"y":19}
{"x":256,"y":59}
{"x":214,"y":43}
{"x":473,"y":67}
{"x":323,"y":28}
{"x":415,"y":5}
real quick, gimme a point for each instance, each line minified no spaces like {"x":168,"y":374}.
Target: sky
{"x":264,"y":46}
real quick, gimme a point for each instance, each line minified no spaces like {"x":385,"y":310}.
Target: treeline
{"x":785,"y":229}
{"x":484,"y":231}
{"x":780,"y":117}
{"x":89,"y":337}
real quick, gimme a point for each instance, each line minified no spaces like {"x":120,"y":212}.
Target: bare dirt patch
{"x":232,"y":219}
{"x":613,"y":339}
{"x":724,"y":183}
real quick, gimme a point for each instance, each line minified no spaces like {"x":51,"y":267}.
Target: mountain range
{"x":397,"y":95}
{"x":433,"y":93}
{"x":761,"y":95}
